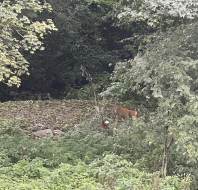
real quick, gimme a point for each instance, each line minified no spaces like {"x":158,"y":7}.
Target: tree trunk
{"x":166,"y":152}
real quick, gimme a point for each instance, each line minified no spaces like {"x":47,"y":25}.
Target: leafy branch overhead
{"x":20,"y":31}
{"x":155,"y":13}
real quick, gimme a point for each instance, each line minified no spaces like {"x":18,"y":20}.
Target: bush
{"x":109,"y":172}
{"x":78,"y":161}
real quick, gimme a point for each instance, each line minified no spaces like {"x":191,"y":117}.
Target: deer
{"x":125,"y":113}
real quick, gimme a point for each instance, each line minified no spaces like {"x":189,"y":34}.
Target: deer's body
{"x":125,"y":113}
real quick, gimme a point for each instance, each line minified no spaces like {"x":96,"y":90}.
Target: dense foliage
{"x":83,"y":159}
{"x":141,"y":53}
{"x":79,"y":41}
{"x":20,"y":31}
{"x":162,"y":80}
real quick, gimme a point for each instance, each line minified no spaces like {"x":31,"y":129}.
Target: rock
{"x":38,"y":127}
{"x":58,"y":132}
{"x":43,"y":133}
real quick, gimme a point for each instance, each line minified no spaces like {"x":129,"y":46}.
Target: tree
{"x":20,"y":32}
{"x":144,"y":17}
{"x":165,"y":77}
{"x":155,"y":13}
{"x":80,"y":39}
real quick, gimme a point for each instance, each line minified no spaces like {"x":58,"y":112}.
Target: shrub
{"x":78,"y":161}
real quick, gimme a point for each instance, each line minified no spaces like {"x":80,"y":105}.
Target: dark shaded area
{"x":86,"y":35}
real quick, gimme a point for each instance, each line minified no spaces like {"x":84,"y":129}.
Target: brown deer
{"x":125,"y":113}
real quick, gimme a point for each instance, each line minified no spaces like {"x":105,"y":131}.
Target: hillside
{"x":48,"y":114}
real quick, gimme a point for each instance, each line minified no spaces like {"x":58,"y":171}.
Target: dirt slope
{"x":49,"y":114}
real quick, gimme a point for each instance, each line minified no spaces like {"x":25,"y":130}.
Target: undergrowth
{"x":86,"y":158}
